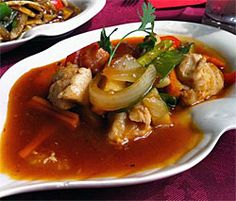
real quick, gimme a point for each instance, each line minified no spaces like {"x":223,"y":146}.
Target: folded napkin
{"x":175,"y":3}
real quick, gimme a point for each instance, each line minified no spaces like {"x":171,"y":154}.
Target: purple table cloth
{"x":211,"y":179}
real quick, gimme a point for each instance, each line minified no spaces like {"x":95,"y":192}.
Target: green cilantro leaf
{"x":148,"y":15}
{"x":105,"y":42}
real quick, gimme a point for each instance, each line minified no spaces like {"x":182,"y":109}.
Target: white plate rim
{"x":16,"y":70}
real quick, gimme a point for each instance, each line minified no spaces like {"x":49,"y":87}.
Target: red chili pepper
{"x":58,"y":4}
{"x":175,"y":40}
{"x":230,"y":78}
{"x":73,"y":58}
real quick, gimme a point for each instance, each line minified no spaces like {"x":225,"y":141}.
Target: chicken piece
{"x":54,"y":90}
{"x":187,"y":67}
{"x":70,"y":86}
{"x":116,"y":133}
{"x":77,"y":91}
{"x":141,"y":114}
{"x":66,"y":72}
{"x":123,"y":129}
{"x":203,"y":79}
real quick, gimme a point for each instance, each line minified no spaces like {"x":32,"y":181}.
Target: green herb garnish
{"x":105,"y":42}
{"x":146,"y":18}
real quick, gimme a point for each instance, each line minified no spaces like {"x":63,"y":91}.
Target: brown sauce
{"x":83,"y":152}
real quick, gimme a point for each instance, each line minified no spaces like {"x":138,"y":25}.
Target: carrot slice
{"x":230,"y":78}
{"x":44,"y":133}
{"x":175,"y":87}
{"x":68,"y":118}
{"x":218,"y":62}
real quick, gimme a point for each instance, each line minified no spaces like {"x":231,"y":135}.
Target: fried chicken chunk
{"x":203,"y":79}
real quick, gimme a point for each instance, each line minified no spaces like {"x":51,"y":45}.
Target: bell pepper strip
{"x":58,"y":4}
{"x":5,"y":10}
{"x":168,"y":60}
{"x":218,"y":62}
{"x":149,"y":56}
{"x":73,"y":58}
{"x":175,"y":87}
{"x":230,"y":78}
{"x":176,"y":41}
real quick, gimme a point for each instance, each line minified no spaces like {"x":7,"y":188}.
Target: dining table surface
{"x":211,"y":179}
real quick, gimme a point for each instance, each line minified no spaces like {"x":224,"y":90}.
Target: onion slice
{"x":124,"y":98}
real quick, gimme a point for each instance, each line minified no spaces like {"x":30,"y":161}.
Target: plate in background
{"x":89,"y":8}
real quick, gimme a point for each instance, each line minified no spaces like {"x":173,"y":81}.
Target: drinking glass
{"x":221,"y":13}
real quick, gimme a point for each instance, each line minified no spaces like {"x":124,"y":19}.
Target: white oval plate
{"x":213,"y":117}
{"x":89,"y":8}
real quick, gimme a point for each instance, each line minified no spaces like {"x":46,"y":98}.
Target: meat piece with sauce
{"x":123,"y":130}
{"x":203,"y":79}
{"x":70,"y":86}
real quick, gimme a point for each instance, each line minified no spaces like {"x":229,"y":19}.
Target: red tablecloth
{"x":211,"y":179}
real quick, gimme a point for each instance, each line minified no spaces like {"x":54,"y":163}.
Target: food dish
{"x":20,"y":16}
{"x":162,"y":28}
{"x":89,"y":8}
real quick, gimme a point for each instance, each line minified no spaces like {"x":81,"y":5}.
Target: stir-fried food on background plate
{"x":18,"y":16}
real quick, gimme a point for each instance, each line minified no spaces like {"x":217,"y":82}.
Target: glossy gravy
{"x":84,"y":152}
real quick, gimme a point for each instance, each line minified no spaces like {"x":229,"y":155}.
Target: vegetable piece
{"x":186,"y":48}
{"x":176,"y":41}
{"x":73,"y":58}
{"x":68,"y":118}
{"x":5,"y":11}
{"x":24,"y":11}
{"x":123,"y":75}
{"x":147,"y":58}
{"x":45,"y":132}
{"x":125,"y":68}
{"x":20,"y":25}
{"x":67,"y":13}
{"x":10,"y":22}
{"x":113,"y":85}
{"x":157,"y":107}
{"x":4,"y":34}
{"x":58,"y":4}
{"x":147,"y":17}
{"x":105,"y":42}
{"x":165,"y":81}
{"x":171,"y":101}
{"x":218,"y":62}
{"x":175,"y":87}
{"x":148,"y":43}
{"x":124,"y":98}
{"x":167,"y":61}
{"x":230,"y":78}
